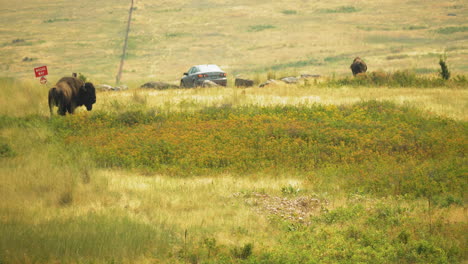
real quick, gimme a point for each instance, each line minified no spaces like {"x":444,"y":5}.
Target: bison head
{"x":87,"y":96}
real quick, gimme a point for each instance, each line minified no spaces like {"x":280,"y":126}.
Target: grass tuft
{"x":289,"y":12}
{"x":258,"y":28}
{"x":53,"y":20}
{"x":451,"y":30}
{"x":341,"y":9}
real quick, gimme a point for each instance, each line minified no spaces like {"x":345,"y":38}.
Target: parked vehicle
{"x":200,"y":73}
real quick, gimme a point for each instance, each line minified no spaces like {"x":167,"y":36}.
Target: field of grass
{"x":242,"y":36}
{"x":283,"y":174}
{"x":333,"y":169}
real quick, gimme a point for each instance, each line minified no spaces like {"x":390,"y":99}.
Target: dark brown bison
{"x":358,"y":66}
{"x":69,"y":93}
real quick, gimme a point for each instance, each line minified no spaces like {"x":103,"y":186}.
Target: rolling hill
{"x":243,"y":37}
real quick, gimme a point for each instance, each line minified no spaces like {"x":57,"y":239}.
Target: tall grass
{"x":396,"y":79}
{"x":279,"y":139}
{"x":22,"y":97}
{"x":221,"y":176}
{"x":42,"y":184}
{"x":103,"y":238}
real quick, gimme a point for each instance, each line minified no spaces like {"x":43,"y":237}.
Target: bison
{"x":358,"y":66}
{"x":69,"y":93}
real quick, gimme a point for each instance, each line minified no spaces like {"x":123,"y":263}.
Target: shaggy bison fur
{"x":358,"y":66}
{"x":69,"y":93}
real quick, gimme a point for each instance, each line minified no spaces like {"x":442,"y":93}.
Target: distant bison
{"x":358,"y":66}
{"x":69,"y":93}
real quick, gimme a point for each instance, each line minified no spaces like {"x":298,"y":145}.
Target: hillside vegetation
{"x":334,"y":169}
{"x":242,"y":36}
{"x":254,"y":175}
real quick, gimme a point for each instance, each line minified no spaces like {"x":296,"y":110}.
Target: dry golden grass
{"x":21,"y":98}
{"x":40,"y":184}
{"x":26,"y":97}
{"x":450,"y":103}
{"x":241,"y":36}
{"x":35,"y":183}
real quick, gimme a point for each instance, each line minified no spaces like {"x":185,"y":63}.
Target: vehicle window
{"x":193,"y":70}
{"x":210,"y":67}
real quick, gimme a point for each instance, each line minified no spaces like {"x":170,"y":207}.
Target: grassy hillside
{"x":244,"y":37}
{"x":334,"y":169}
{"x":284,"y":174}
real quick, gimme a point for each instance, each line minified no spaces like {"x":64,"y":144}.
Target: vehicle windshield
{"x":208,"y":68}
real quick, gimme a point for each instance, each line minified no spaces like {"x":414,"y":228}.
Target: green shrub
{"x":341,"y":214}
{"x":290,"y":190}
{"x":66,"y":198}
{"x":83,"y":77}
{"x":448,"y":200}
{"x":444,"y":71}
{"x":242,"y":252}
{"x":131,"y":118}
{"x":6,"y":151}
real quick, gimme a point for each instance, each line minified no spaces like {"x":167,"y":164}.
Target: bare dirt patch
{"x":297,"y":209}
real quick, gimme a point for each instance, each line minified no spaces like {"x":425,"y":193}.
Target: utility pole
{"x":119,"y":74}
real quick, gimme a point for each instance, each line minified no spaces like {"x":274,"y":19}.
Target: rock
{"x":17,"y":41}
{"x":269,"y":82}
{"x":296,"y":209}
{"x":451,"y":14}
{"x":306,"y":76}
{"x":106,"y":87}
{"x":290,"y":80}
{"x":239,"y":82}
{"x":26,"y":59}
{"x":208,"y":83}
{"x":121,"y":88}
{"x":158,"y":85}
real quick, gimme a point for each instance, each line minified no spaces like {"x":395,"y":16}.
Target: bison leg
{"x":51,"y":105}
{"x":62,"y":110}
{"x":71,"y":108}
{"x":53,"y":99}
{"x":63,"y":107}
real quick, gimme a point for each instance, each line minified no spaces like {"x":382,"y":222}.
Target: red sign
{"x":43,"y":80}
{"x":41,"y":71}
